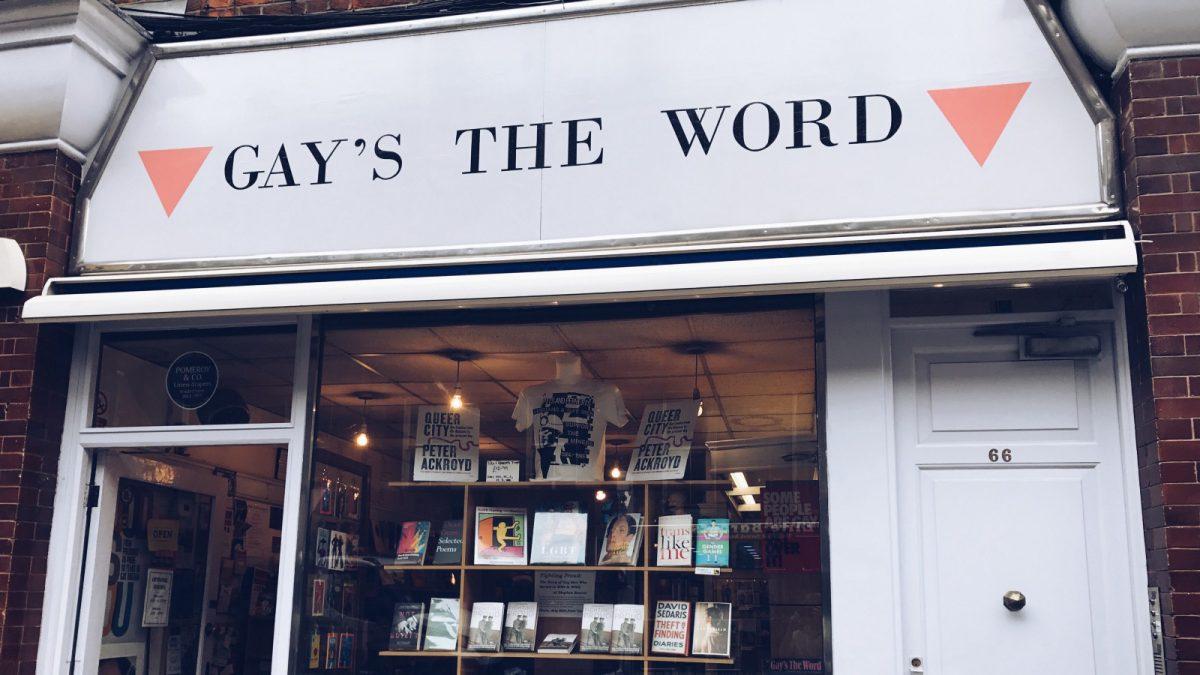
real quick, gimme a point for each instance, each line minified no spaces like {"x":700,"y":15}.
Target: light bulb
{"x":700,"y":408}
{"x":616,"y":472}
{"x":601,"y":495}
{"x":456,"y":401}
{"x":361,"y":439}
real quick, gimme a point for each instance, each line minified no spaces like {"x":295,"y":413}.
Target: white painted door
{"x":1010,"y":479}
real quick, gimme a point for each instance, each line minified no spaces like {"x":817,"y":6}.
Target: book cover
{"x":346,"y":656}
{"x":596,"y":628}
{"x":314,"y":649}
{"x":710,"y":634}
{"x":441,"y":626}
{"x":350,"y":599}
{"x":675,"y":541}
{"x":339,"y":543}
{"x":520,"y":626}
{"x":500,"y":536}
{"x":407,"y":620}
{"x":414,"y":540}
{"x":448,"y":549}
{"x":628,"y":628}
{"x":670,"y":628}
{"x":321,"y":553}
{"x":559,"y":539}
{"x":331,"y":650}
{"x":622,"y":540}
{"x":712,"y":542}
{"x":319,"y":590}
{"x":487,"y":620}
{"x":558,"y":643}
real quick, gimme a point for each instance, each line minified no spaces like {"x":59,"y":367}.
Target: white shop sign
{"x":749,"y":118}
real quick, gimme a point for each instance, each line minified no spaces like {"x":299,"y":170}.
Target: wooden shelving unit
{"x":528,"y":495}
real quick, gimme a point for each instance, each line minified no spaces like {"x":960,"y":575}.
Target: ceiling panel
{"x":630,"y":333}
{"x":407,"y":368}
{"x":649,"y":361}
{"x":755,"y":357}
{"x":536,"y":338}
{"x":386,"y":341}
{"x":533,"y":367}
{"x":776,"y":325}
{"x":768,"y":405}
{"x":776,"y":383}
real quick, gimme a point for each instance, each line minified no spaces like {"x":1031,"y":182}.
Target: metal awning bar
{"x":1003,"y":254}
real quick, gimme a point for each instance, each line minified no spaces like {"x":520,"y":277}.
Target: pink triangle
{"x":172,"y":171}
{"x":980,"y":115}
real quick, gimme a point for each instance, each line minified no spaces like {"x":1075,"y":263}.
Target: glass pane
{"x":194,"y":560}
{"x":233,"y":376}
{"x":486,"y":481}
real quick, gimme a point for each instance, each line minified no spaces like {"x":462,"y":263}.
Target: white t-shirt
{"x":568,"y":421}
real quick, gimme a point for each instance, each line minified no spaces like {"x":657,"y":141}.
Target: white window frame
{"x":66,"y":556}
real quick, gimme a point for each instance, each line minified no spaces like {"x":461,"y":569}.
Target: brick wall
{"x":37,"y":191}
{"x":1159,"y":106}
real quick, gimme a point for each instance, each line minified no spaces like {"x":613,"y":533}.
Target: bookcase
{"x":644,"y":583}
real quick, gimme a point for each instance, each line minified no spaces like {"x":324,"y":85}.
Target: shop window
{"x":528,"y":491}
{"x":234,"y":376}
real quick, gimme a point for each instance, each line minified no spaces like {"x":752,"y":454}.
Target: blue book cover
{"x":712,"y":542}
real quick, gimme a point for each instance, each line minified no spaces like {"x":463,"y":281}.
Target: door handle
{"x":1014,"y":601}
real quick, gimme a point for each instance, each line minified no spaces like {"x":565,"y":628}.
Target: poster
{"x":447,"y":446}
{"x":664,"y":441}
{"x":156,"y":610}
{"x":563,"y":594}
{"x":257,"y":538}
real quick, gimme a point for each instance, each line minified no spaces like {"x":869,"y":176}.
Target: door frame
{"x":1128,"y":463}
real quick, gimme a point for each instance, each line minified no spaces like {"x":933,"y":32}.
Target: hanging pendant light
{"x":457,"y":402}
{"x":696,"y":387}
{"x":696,"y":350}
{"x":362,"y":437}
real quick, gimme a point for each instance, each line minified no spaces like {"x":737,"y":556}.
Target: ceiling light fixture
{"x":616,"y":471}
{"x":458,"y":356}
{"x":696,"y":350}
{"x":362,"y":438}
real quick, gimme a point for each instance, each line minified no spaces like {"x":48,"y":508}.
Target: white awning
{"x":997,"y":255}
{"x":12,"y":265}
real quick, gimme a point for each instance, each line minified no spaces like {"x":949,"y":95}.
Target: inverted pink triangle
{"x":172,"y":172}
{"x":980,"y":115}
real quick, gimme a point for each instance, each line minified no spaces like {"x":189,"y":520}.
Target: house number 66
{"x":995,"y":455}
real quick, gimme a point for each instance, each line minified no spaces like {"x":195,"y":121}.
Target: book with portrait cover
{"x":407,"y":620}
{"x":520,"y":626}
{"x":711,"y":630}
{"x":559,"y":539}
{"x":671,"y":628}
{"x":712,"y":542}
{"x":622,"y":540}
{"x":448,"y":549}
{"x":414,"y":541}
{"x":558,"y":643}
{"x":487,"y":621}
{"x":595,"y":628}
{"x":441,"y":626}
{"x":500,"y":536}
{"x":628,"y":628}
{"x":675,"y":541}
{"x":332,"y":649}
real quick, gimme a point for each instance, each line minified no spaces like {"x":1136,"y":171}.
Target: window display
{"x":631,"y":488}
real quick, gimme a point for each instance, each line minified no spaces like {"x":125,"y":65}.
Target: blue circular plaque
{"x":192,"y":380}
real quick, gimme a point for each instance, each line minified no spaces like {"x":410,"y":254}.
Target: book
{"x":558,"y":643}
{"x":314,"y":649}
{"x":628,"y":628}
{"x":622,"y":540}
{"x":712,"y":542}
{"x":487,"y":620}
{"x":675,"y":541}
{"x":321,"y":552}
{"x":414,"y":540}
{"x":319,"y":590}
{"x":710,"y":634}
{"x":441,"y":626}
{"x":559,"y":538}
{"x":500,"y":536}
{"x":407,"y":621}
{"x":332,"y":649}
{"x":520,"y":627}
{"x":346,"y":656}
{"x":670,"y":628}
{"x":448,"y":549}
{"x":596,"y":628}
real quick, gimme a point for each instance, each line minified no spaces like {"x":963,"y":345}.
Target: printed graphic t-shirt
{"x":568,"y":421}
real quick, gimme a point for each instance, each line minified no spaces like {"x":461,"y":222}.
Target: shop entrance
{"x":1015,"y":556}
{"x":186,"y":544}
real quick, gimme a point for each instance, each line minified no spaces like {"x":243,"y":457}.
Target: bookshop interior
{"x":618,"y":488}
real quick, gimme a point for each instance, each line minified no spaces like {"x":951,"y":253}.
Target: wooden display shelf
{"x":429,"y":568}
{"x":452,"y":653}
{"x":558,"y":483}
{"x":574,"y":656}
{"x":586,"y":568}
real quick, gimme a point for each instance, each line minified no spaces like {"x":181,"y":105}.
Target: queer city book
{"x":622,"y":540}
{"x":500,"y":536}
{"x":558,"y":643}
{"x":711,"y":629}
{"x":448,"y":549}
{"x":520,"y":626}
{"x":407,"y":620}
{"x":712,"y":542}
{"x":487,"y":621}
{"x":670,"y":628}
{"x":441,"y":626}
{"x":628,"y":627}
{"x":414,"y":541}
{"x":596,"y":628}
{"x":675,"y":541}
{"x":559,"y":539}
